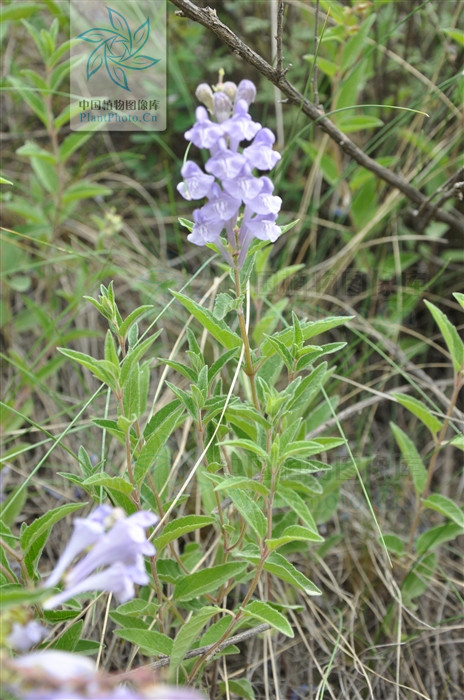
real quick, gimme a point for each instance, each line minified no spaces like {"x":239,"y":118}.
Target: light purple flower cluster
{"x":116,"y":542}
{"x":59,"y":675}
{"x":239,"y":202}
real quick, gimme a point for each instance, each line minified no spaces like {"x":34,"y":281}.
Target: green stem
{"x":249,"y":369}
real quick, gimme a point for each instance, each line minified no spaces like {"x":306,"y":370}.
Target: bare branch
{"x":209,"y":19}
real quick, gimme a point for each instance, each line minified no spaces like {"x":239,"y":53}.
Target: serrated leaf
{"x":181,"y":526}
{"x":293,"y":533}
{"x":218,"y":329}
{"x":413,"y":459}
{"x":420,"y":410}
{"x":151,"y":643}
{"x":445,"y":506}
{"x":188,"y":633}
{"x":206,"y":581}
{"x":264,"y":612}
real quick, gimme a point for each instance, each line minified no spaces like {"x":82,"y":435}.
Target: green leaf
{"x":458,"y":441}
{"x":417,"y":581}
{"x":393,"y":543}
{"x":70,"y":638}
{"x":219,"y":364}
{"x":328,"y":67}
{"x":241,"y":482}
{"x":413,"y":459}
{"x":450,"y":335}
{"x":72,"y":143}
{"x":354,"y":46}
{"x":31,"y":149}
{"x":237,"y":686}
{"x":247,"y":445}
{"x":206,"y":581}
{"x":46,"y":174}
{"x":30,"y":97}
{"x":266,"y":613}
{"x":348,"y":122}
{"x":279,"y":566}
{"x":112,"y":482}
{"x":30,"y":533}
{"x":188,"y":633}
{"x":445,"y":506}
{"x":459,"y":297}
{"x":218,"y":329}
{"x":186,"y":223}
{"x":222,"y":305}
{"x":16,"y":11}
{"x":250,"y":512}
{"x":293,"y":533}
{"x":420,"y":410}
{"x":132,"y":318}
{"x":456,"y":35}
{"x":309,"y":329}
{"x":181,"y":526}
{"x":151,"y":643}
{"x":84,"y":189}
{"x":157,"y":439}
{"x":298,"y":505}
{"x":436,"y":536}
{"x":103,"y":370}
{"x":135,"y":354}
{"x":12,"y":596}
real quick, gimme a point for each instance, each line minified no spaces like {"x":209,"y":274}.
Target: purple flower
{"x":231,"y":183}
{"x":86,"y":532}
{"x":260,"y":154}
{"x":120,"y":545}
{"x":204,"y":132}
{"x":196,"y":184}
{"x":23,"y":637}
{"x":60,"y":675}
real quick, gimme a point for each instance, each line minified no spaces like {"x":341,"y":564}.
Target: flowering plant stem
{"x":249,"y":369}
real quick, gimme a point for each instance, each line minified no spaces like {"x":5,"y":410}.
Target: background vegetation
{"x":82,"y":210}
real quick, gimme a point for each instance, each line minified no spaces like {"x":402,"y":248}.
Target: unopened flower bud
{"x":246,"y":91}
{"x":204,"y":94}
{"x":230,"y":89}
{"x":222,"y":106}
